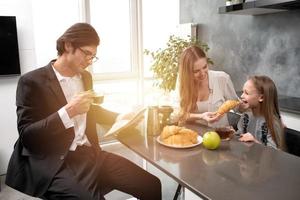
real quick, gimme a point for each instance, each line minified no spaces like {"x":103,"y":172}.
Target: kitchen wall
{"x":8,"y":119}
{"x":243,"y":44}
{"x":39,"y":23}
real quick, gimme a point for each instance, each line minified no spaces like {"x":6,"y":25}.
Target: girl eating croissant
{"x":263,"y":123}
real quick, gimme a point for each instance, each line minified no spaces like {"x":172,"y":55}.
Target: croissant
{"x":169,"y":130}
{"x":178,"y":140}
{"x":178,"y":136}
{"x":227,"y":106}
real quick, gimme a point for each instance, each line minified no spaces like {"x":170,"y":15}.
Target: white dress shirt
{"x":72,"y":86}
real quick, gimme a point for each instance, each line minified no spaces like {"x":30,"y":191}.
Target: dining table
{"x":235,"y":170}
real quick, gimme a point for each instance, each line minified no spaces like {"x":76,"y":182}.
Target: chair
{"x":233,"y":119}
{"x":292,"y":140}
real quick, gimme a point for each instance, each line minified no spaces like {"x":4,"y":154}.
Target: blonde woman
{"x":202,"y":91}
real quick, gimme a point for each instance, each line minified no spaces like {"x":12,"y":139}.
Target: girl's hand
{"x":248,"y":137}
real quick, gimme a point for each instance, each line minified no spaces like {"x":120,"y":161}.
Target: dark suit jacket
{"x":43,"y":140}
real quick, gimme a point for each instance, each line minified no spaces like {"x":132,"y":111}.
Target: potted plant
{"x":165,"y":61}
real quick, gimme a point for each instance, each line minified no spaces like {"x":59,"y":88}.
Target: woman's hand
{"x":211,"y":117}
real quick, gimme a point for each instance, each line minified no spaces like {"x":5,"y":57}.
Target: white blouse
{"x":221,"y":89}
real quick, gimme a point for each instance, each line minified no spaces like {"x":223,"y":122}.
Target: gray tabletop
{"x":235,"y":170}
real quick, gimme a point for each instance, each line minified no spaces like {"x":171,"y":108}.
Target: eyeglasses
{"x":89,"y":55}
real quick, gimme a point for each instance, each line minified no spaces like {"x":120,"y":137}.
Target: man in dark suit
{"x":57,"y":155}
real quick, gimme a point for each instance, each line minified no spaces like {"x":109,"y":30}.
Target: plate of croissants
{"x":179,"y":137}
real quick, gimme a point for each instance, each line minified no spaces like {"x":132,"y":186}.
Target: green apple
{"x":211,"y":140}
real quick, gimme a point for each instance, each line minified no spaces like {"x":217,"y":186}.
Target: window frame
{"x":136,"y":49}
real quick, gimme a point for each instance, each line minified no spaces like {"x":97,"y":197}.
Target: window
{"x":126,"y":27}
{"x":160,"y":20}
{"x":114,"y":22}
{"x":48,"y":25}
{"x":116,"y":72}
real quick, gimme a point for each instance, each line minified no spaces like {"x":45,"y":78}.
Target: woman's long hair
{"x":269,"y":106}
{"x":188,"y":89}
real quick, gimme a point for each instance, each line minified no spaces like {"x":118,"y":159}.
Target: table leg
{"x":177,"y":193}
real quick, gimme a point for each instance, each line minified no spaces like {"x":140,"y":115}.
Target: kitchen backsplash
{"x":243,"y":45}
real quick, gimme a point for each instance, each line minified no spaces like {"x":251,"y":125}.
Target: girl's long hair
{"x":269,"y":106}
{"x":188,"y":89}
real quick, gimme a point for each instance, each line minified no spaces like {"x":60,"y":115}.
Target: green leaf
{"x":165,"y":61}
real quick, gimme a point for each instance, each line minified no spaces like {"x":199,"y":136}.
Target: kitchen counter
{"x":289,"y":104}
{"x":251,"y":170}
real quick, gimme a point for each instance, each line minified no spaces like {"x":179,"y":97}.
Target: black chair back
{"x":292,"y":140}
{"x":233,"y":119}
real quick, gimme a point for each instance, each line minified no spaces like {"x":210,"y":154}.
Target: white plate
{"x":199,"y":138}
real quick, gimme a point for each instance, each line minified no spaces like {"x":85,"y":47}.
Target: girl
{"x":263,"y":123}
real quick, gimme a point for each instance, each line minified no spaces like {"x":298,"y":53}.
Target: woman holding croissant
{"x":202,"y":91}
